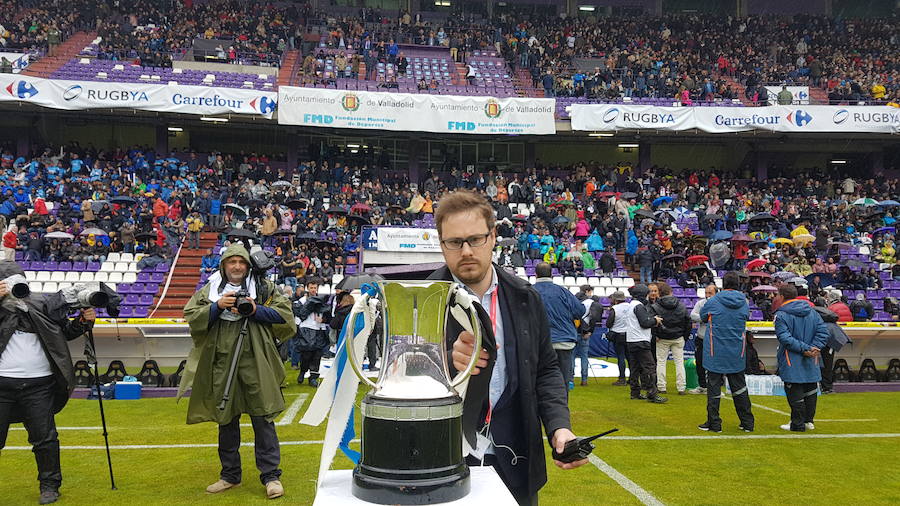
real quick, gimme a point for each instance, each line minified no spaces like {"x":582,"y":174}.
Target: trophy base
{"x":411,"y":452}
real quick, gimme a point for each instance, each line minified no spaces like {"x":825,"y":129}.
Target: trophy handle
{"x":361,"y":306}
{"x":463,"y":301}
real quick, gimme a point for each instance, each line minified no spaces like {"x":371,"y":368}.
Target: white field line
{"x":773,"y":410}
{"x":623,"y":481}
{"x":716,"y":437}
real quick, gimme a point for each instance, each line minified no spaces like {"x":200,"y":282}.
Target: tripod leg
{"x":112,"y":479}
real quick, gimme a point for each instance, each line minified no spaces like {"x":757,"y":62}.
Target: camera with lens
{"x":243,"y":302}
{"x":18,"y":286}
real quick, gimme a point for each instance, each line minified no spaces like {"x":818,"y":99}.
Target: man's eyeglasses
{"x":474,"y":241}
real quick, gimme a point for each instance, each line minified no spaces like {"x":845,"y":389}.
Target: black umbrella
{"x":325,"y":242}
{"x":395,"y":207}
{"x":712,"y":216}
{"x":361,"y":219}
{"x":854,"y":263}
{"x":355,"y":281}
{"x":237,"y":209}
{"x":255,"y":203}
{"x":519,"y":219}
{"x":645,"y":213}
{"x":284,"y":233}
{"x":762,"y":217}
{"x":123,"y":201}
{"x":336,"y":210}
{"x":676,"y":256}
{"x":297,"y":204}
{"x":628,"y":195}
{"x":753,"y":244}
{"x":699,"y":268}
{"x":308,"y":236}
{"x":145,"y":236}
{"x":240,"y":233}
{"x":560,"y":219}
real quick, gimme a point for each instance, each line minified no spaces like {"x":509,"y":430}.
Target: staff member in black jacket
{"x":36,"y":376}
{"x":526,"y":386}
{"x":671,"y":333}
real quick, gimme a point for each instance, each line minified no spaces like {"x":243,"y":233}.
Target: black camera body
{"x":243,"y":302}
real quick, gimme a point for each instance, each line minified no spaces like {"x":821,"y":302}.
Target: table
{"x":487,"y":488}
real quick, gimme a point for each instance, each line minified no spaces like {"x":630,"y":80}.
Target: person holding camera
{"x":234,"y":367}
{"x":314,"y":314}
{"x":36,"y":374}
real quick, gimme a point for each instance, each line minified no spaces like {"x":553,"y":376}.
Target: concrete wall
{"x":225,"y":67}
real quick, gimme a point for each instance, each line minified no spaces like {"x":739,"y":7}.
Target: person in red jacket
{"x":838,"y":307}
{"x":10,"y":241}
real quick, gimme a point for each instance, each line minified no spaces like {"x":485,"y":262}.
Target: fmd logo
{"x":264,"y":105}
{"x":799,"y":117}
{"x":461,"y":126}
{"x":840,"y":116}
{"x":318,"y":119}
{"x":611,"y":115}
{"x":21,"y":89}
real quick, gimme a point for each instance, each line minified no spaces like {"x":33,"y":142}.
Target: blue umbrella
{"x":889,"y":203}
{"x":882,"y":230}
{"x":662,"y":200}
{"x":720,"y":235}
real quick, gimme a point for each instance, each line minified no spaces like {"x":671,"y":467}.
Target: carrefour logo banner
{"x":808,"y":118}
{"x":416,"y":113}
{"x":81,"y":95}
{"x":399,"y":239}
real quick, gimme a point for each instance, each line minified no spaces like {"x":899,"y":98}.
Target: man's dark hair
{"x":664,"y":288}
{"x":543,"y":270}
{"x":731,"y":281}
{"x":586,"y":288}
{"x":313,"y":281}
{"x":787,"y":291}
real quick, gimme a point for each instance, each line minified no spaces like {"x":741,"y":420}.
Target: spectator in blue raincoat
{"x":801,"y":334}
{"x":631,"y":247}
{"x":594,"y":242}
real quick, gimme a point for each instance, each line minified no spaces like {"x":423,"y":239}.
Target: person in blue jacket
{"x":726,"y":314}
{"x":631,"y":247}
{"x":801,"y":334}
{"x":563,"y":309}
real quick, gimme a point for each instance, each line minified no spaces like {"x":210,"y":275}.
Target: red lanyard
{"x":493,"y":312}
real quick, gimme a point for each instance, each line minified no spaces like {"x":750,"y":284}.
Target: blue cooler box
{"x":130,"y":390}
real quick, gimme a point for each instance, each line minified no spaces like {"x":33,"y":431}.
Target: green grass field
{"x":731,"y":468}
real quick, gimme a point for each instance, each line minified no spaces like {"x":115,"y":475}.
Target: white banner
{"x":399,"y":239}
{"x":19,"y":61}
{"x":80,"y":95}
{"x":415,"y":113}
{"x":799,"y":94}
{"x":810,"y":118}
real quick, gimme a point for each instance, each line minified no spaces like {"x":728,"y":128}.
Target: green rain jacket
{"x":256,"y":388}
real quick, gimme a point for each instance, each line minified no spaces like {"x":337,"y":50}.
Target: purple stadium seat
{"x":51,"y":266}
{"x":126,"y":312}
{"x":124,"y":288}
{"x":145,"y":300}
{"x":151,"y":288}
{"x":141,"y":312}
{"x":93,"y":266}
{"x":79,"y":266}
{"x":26,"y":266}
{"x":131,"y":299}
{"x":143,"y":277}
{"x":158,"y":277}
{"x":65,"y":266}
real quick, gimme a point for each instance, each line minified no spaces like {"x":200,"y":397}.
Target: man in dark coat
{"x":526,"y":387}
{"x":36,"y":376}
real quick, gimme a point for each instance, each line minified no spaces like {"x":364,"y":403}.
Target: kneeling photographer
{"x":36,"y":375}
{"x":234,"y":367}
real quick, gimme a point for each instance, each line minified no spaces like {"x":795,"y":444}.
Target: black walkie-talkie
{"x":578,"y":448}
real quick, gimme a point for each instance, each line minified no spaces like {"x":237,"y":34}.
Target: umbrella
{"x":255,"y":203}
{"x":839,"y":244}
{"x":241,"y":233}
{"x":297,"y":204}
{"x":123,"y":201}
{"x":756,"y":263}
{"x":825,"y":279}
{"x":865,"y":202}
{"x":675,"y":256}
{"x":662,"y":200}
{"x":760,"y":274}
{"x":720,"y":235}
{"x":519,"y":218}
{"x":336,"y":210}
{"x":237,"y":209}
{"x":764,"y":288}
{"x":754,"y":244}
{"x":762,"y":217}
{"x":281,"y":183}
{"x":670,"y":212}
{"x":782,"y":240}
{"x":560,"y":219}
{"x":95,"y":231}
{"x":145,"y":236}
{"x":854,"y":263}
{"x":645,"y":213}
{"x":562,"y":203}
{"x":361,"y":219}
{"x":699,"y":268}
{"x":628,"y":195}
{"x":741,"y":237}
{"x":881,"y":230}
{"x":356,"y":281}
{"x":308,"y":236}
{"x":284,"y":233}
{"x":784,"y":275}
{"x":395,"y":207}
{"x":694,"y":259}
{"x":324,"y":243}
{"x":604,"y":195}
{"x":804,"y":238}
{"x":59,"y":235}
{"x":360,"y":208}
{"x":799,"y":231}
{"x":889,"y":203}
{"x":647,"y":222}
{"x":508,"y":241}
{"x":874,"y":214}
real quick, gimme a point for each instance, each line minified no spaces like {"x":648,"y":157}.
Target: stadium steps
{"x":738,"y":88}
{"x":184,"y":281}
{"x":69,"y":49}
{"x":522,"y":83}
{"x":461,"y":72}
{"x":289,"y":67}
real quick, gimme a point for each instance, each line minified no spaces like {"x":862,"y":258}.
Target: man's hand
{"x":463,"y":348}
{"x":227,"y":301}
{"x":812,"y":352}
{"x":659,"y":320}
{"x":4,"y":289}
{"x":253,"y":302}
{"x":560,"y":438}
{"x":88,"y":315}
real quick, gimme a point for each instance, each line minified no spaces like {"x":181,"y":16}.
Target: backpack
{"x":893,"y":370}
{"x":842,"y":372}
{"x":867,"y":371}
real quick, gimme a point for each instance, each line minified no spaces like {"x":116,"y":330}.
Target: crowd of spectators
{"x":38,"y":27}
